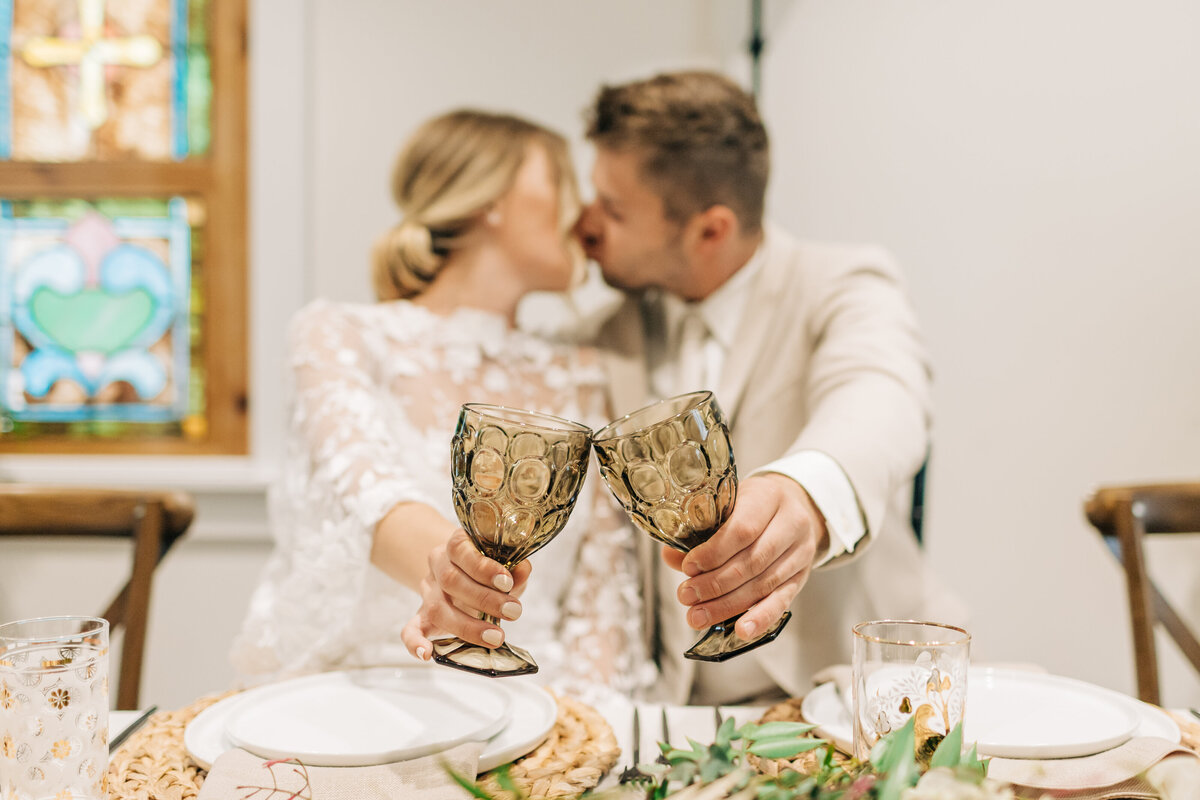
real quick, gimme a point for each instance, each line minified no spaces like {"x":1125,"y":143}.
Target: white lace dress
{"x":375,"y":398}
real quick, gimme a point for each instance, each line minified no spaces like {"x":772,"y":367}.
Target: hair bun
{"x":404,"y":261}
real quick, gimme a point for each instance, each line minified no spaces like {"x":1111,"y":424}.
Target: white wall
{"x":380,"y":68}
{"x":1034,"y":165}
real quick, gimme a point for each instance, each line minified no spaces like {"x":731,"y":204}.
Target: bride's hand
{"x":460,"y":584}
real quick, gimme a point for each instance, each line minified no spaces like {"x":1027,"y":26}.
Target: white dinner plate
{"x":1017,"y":714}
{"x":365,"y":717}
{"x":532,"y":716}
{"x":824,"y":707}
{"x":1014,"y":714}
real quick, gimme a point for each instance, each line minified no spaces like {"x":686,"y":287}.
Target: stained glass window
{"x":122,"y":226}
{"x":103,"y":79}
{"x":96,"y":322}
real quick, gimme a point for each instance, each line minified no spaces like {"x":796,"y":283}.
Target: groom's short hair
{"x":698,"y":136}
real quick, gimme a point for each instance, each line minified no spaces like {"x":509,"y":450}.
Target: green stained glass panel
{"x":99,"y":337}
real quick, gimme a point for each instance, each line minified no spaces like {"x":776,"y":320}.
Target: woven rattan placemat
{"x":153,"y":764}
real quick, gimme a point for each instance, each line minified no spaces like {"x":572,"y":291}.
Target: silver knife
{"x":120,"y":738}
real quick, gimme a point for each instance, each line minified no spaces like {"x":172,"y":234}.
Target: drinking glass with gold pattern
{"x":54,"y":708}
{"x":903,"y":669}
{"x":516,"y":476}
{"x":671,"y":467}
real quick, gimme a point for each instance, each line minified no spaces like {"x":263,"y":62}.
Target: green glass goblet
{"x":516,"y":476}
{"x":671,"y":467}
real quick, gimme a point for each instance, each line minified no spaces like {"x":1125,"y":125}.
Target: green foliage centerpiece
{"x":723,"y":770}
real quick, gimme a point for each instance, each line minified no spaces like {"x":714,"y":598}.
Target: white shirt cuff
{"x":830,"y":490}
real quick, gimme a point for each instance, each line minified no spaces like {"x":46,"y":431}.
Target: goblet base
{"x":720,"y":642}
{"x":494,"y":662}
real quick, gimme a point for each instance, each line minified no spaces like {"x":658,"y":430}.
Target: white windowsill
{"x":225,"y":474}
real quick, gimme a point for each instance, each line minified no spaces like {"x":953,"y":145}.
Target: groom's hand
{"x":757,"y":561}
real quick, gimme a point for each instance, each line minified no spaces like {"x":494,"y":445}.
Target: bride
{"x":364,"y":526}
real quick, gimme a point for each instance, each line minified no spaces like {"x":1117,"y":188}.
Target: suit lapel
{"x":625,"y":358}
{"x":757,"y":317}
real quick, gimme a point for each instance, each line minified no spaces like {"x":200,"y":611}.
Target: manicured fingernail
{"x":503,"y":582}
{"x":688,"y":596}
{"x":701,"y":617}
{"x":749,"y":629}
{"x":421,"y":653}
{"x":510,"y":610}
{"x":493,"y":637}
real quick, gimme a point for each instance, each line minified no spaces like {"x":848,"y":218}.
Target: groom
{"x":814,"y":355}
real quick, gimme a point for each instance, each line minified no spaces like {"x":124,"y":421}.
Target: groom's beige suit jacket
{"x":827,"y":357}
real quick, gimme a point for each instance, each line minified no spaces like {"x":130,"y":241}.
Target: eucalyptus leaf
{"x":722,"y":754}
{"x":972,"y":761}
{"x":506,"y":782}
{"x":711,"y":770}
{"x":949,"y":752}
{"x":468,"y":784}
{"x":683,"y":772}
{"x":727,"y":733}
{"x":770,"y":729}
{"x":898,"y":762}
{"x":785,"y":747}
{"x":682,"y":755}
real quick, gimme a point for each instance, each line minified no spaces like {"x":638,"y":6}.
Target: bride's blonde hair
{"x":450,"y":171}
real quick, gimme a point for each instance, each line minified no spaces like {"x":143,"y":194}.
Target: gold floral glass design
{"x":671,"y":466}
{"x":906,"y":669}
{"x":516,"y":477}
{"x":54,"y":708}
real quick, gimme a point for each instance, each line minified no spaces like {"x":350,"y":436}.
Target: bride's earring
{"x":493,"y":218}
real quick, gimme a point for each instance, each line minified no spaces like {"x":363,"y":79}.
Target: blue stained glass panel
{"x":95,"y":304}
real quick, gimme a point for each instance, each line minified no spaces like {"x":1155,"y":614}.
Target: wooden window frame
{"x":218,"y":179}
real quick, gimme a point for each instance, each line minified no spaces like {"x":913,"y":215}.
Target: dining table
{"x":679,"y":724}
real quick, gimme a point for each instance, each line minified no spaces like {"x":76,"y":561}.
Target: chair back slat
{"x":153,"y":520}
{"x":1124,"y":516}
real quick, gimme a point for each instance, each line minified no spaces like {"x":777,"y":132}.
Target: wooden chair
{"x":154,"y":520}
{"x":1124,"y":515}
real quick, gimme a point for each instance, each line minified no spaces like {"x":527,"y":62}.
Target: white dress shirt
{"x":674,"y":366}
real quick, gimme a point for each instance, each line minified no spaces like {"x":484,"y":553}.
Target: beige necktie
{"x":689,"y":355}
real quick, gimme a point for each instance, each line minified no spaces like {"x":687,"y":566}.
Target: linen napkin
{"x":237,"y":775}
{"x":1119,"y":772}
{"x":1176,"y":778}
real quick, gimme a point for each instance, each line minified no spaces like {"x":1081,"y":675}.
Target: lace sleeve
{"x":344,"y":431}
{"x":340,"y":478}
